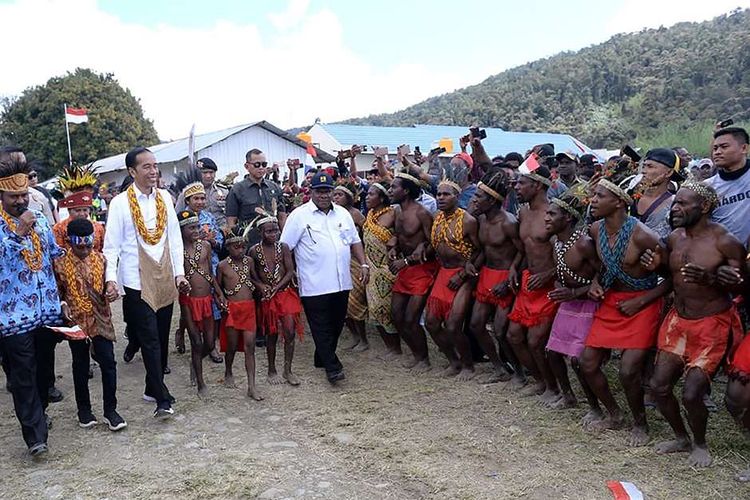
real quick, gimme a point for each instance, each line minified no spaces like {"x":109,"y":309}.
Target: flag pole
{"x":67,"y":133}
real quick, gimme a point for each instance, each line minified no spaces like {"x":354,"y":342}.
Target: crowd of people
{"x":534,"y":263}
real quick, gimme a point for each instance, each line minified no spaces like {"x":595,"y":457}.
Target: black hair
{"x":10,"y":149}
{"x":514,"y":156}
{"x":497,"y":181}
{"x":254,"y":151}
{"x":738,"y":133}
{"x":384,"y":196}
{"x":413,"y":189}
{"x":126,"y":182}
{"x":10,"y":164}
{"x":543,"y":171}
{"x":131,"y":159}
{"x":80,"y":227}
{"x":576,"y":204}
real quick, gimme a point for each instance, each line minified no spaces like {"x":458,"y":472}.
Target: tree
{"x":35,"y":121}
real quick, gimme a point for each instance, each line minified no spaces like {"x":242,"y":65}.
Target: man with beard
{"x":630,"y":310}
{"x":408,"y":252}
{"x":696,"y":334}
{"x":28,"y":300}
{"x":501,"y":255}
{"x":454,"y":238}
{"x":533,"y":310}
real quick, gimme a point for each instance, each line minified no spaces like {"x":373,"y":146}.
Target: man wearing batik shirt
{"x":28,"y":300}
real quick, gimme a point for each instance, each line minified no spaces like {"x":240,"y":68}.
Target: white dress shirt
{"x":121,"y":247}
{"x":321,"y":244}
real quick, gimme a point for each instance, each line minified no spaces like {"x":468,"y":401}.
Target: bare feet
{"x":410,"y":363}
{"x":611,"y":423}
{"x":451,"y":371}
{"x":565,"y":402}
{"x":466,"y":374}
{"x":700,"y":457}
{"x":274,"y":379}
{"x":676,"y":445}
{"x":517,"y":382}
{"x":535,"y":389}
{"x":495,"y":376}
{"x":421,"y":366}
{"x":638,"y":436}
{"x":252,"y":392}
{"x":743,"y":476}
{"x":592,"y":416}
{"x":389,"y":356}
{"x":229,"y":382}
{"x":291,"y":378}
{"x":549,"y":397}
{"x":360,"y":347}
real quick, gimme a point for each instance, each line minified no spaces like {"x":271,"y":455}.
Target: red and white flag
{"x":529,"y":165}
{"x":76,"y":115}
{"x":624,"y":491}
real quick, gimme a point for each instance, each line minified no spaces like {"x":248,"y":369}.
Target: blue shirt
{"x":206,"y":218}
{"x":466,"y":194}
{"x":28,"y":299}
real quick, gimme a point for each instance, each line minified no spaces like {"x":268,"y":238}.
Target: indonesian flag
{"x":76,"y":115}
{"x":528,"y":166}
{"x":624,"y":491}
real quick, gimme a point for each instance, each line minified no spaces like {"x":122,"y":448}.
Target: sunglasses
{"x":259,"y":164}
{"x":32,"y":176}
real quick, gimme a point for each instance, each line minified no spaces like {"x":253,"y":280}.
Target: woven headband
{"x":346,"y":190}
{"x":381,"y":187}
{"x":484,"y":187}
{"x":567,"y":207}
{"x":193,"y":189}
{"x":16,"y":183}
{"x":266,"y":220}
{"x":408,"y":177}
{"x":703,"y":191}
{"x":616,"y":190}
{"x":234,"y":239}
{"x":538,"y":178}
{"x":82,"y":240}
{"x":451,"y":184}
{"x":189,"y":220}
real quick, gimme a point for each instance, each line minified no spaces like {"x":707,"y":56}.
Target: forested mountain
{"x":633,"y":87}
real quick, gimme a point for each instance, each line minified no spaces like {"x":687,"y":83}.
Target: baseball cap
{"x":322,"y":180}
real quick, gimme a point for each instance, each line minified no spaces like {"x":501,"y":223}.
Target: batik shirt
{"x":28,"y":299}
{"x":208,"y":223}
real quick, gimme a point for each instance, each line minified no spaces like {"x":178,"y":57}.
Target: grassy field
{"x":383,"y":433}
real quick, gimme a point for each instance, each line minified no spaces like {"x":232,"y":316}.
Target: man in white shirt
{"x":323,"y":238}
{"x":144,"y":252}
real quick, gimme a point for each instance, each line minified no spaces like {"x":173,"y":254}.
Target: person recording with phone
{"x":29,"y":302}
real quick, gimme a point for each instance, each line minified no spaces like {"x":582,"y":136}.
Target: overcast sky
{"x":227,"y":62}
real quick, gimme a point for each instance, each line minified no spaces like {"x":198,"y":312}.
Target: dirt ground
{"x":383,"y":433}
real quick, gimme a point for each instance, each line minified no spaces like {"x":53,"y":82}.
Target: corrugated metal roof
{"x":178,"y":149}
{"x":497,"y":142}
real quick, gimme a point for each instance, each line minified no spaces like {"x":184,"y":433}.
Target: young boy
{"x":280,"y":303}
{"x":236,"y":279}
{"x":80,"y":278}
{"x":197,"y":306}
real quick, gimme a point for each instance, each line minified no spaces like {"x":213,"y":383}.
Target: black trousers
{"x":326,"y":315}
{"x":104,"y":354}
{"x":20,"y":364}
{"x":44,"y":344}
{"x":148,"y":329}
{"x":134,"y":345}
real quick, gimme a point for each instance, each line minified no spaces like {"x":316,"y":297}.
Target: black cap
{"x":669,"y":159}
{"x":514,"y":156}
{"x":546,"y":149}
{"x":322,"y":180}
{"x":206,"y":164}
{"x":588,"y":160}
{"x":570,"y":156}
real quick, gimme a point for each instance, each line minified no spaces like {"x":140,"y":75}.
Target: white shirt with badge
{"x":321,"y":244}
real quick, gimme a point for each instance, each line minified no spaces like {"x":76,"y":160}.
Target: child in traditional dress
{"x":280,"y":305}
{"x":80,"y":278}
{"x":197,"y":305}
{"x":235,"y":277}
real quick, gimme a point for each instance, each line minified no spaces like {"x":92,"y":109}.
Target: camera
{"x":476,"y":132}
{"x":344,"y":154}
{"x":437,"y":151}
{"x":380,"y":151}
{"x":404,"y":150}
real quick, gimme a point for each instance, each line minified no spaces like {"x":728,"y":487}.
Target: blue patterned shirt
{"x":206,"y":218}
{"x":28,"y":299}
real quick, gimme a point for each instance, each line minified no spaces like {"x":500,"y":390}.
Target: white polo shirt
{"x":320,"y":243}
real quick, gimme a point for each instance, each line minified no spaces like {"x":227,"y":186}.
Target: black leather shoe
{"x":336,"y":376}
{"x":54,"y":395}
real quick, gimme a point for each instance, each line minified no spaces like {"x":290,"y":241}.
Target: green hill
{"x":654,"y":86}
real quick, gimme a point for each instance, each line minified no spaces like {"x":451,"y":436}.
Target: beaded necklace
{"x":453,"y":239}
{"x":244,"y":276}
{"x":34,"y":257}
{"x":149,"y":236}
{"x":272,"y":277}
{"x":371,"y":224}
{"x":194,"y":261}
{"x":561,"y":250}
{"x":80,"y":301}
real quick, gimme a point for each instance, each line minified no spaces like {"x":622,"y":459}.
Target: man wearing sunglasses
{"x":255,"y":191}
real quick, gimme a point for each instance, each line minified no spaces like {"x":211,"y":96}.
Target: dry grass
{"x":413,"y":437}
